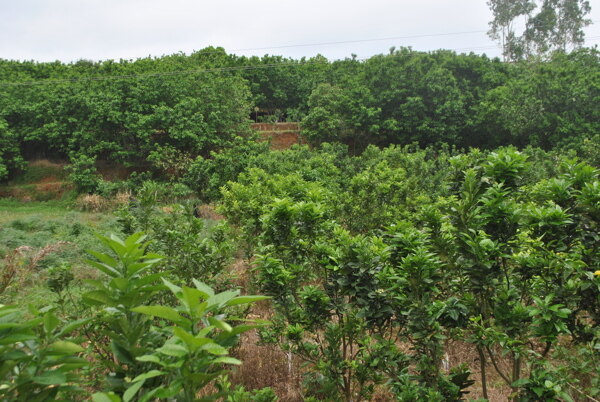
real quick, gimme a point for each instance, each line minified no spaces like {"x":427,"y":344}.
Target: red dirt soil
{"x":281,"y":135}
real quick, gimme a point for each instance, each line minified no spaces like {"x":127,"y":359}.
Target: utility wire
{"x":417,"y":36}
{"x":343,"y":42}
{"x":368,"y":40}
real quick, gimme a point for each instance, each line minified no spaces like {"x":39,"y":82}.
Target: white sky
{"x":70,"y":30}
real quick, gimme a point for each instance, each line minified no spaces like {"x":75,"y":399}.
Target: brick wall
{"x":281,"y":135}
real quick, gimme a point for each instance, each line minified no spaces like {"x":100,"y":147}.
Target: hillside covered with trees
{"x":436,"y":239}
{"x":128,"y":110}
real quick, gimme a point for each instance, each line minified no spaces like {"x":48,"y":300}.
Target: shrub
{"x":83,"y":173}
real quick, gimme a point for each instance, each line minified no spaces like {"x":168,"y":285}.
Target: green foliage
{"x":544,"y":384}
{"x":123,"y":119}
{"x":39,"y":361}
{"x":398,"y":246}
{"x":378,"y":196}
{"x":192,"y":247}
{"x":340,"y":114}
{"x":59,"y":278}
{"x":207,"y":175}
{"x":170,"y":162}
{"x":10,"y":155}
{"x":83,"y":173}
{"x":504,"y":257}
{"x":245,"y":201}
{"x":399,"y":98}
{"x":549,"y":26}
{"x":60,"y":282}
{"x":261,"y":395}
{"x":172,"y":358}
{"x":506,"y":166}
{"x":119,"y":333}
{"x":195,"y":354}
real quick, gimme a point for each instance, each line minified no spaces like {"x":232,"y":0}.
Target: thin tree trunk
{"x":483,"y":372}
{"x":516,"y":373}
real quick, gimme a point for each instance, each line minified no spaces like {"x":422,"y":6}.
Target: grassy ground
{"x":11,"y":209}
{"x":42,"y":180}
{"x":39,"y":222}
{"x":40,"y":236}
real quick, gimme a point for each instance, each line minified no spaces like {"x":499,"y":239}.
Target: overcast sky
{"x":70,"y":30}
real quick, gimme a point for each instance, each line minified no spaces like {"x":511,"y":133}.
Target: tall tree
{"x":502,"y":28}
{"x":549,"y":25}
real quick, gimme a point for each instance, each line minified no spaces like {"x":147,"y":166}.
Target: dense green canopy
{"x":122,"y":111}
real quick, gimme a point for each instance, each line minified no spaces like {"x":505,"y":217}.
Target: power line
{"x":368,"y":40}
{"x":412,"y":36}
{"x":343,"y":42}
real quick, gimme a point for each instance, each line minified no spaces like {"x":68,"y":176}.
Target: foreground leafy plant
{"x":37,"y":361}
{"x":196,"y":352}
{"x":119,"y":334}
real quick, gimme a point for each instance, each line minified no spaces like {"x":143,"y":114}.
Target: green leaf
{"x":227,"y":360}
{"x":221,"y":298}
{"x":206,"y":377}
{"x":149,"y":358}
{"x":159,"y":311}
{"x":239,"y":329}
{"x":174,"y":288}
{"x":14,"y":338}
{"x":95,"y":283}
{"x":169,"y":392}
{"x":50,"y":322}
{"x":147,"y":375}
{"x":72,"y":326}
{"x":219,"y":324}
{"x":65,"y":368}
{"x":98,"y":298}
{"x":245,"y":300}
{"x":50,"y":378}
{"x":150,"y":396}
{"x":132,"y":390}
{"x":138,"y":268}
{"x":119,"y":283}
{"x":105,"y":397}
{"x":147,"y":279}
{"x":520,"y":382}
{"x":104,"y":258}
{"x":191,"y":297}
{"x":192,"y":342}
{"x":204,"y":288}
{"x":174,"y":350}
{"x":66,"y":347}
{"x":214,"y":349}
{"x":124,"y":355}
{"x":7,"y":325}
{"x":107,"y":269}
{"x":199,"y":310}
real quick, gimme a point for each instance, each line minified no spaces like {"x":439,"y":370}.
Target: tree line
{"x":125,"y":110}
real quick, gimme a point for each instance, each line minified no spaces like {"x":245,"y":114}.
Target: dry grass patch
{"x":96,"y":203}
{"x":18,"y":266}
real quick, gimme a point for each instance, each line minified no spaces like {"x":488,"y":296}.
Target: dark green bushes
{"x":498,"y":249}
{"x":129,"y":111}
